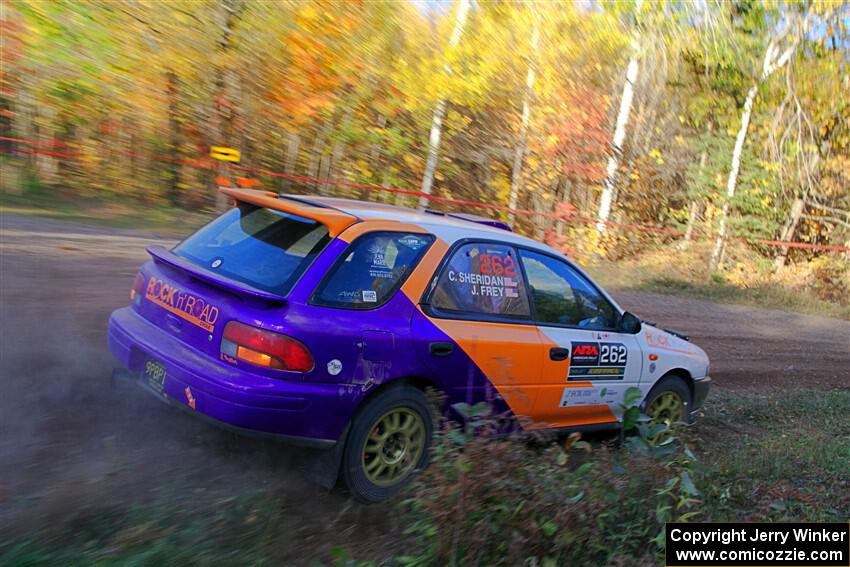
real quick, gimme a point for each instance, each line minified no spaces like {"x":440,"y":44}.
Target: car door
{"x":474,"y":330}
{"x":355,"y":318}
{"x":587,"y":364}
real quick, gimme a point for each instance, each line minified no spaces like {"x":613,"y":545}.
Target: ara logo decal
{"x":334,"y":367}
{"x":597,"y":361}
{"x":585,"y":349}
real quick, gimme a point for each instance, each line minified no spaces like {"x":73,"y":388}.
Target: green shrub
{"x":506,"y":502}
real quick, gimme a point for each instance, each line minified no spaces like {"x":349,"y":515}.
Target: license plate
{"x":154,"y":375}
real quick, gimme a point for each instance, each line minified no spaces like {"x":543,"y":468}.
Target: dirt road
{"x":69,"y":442}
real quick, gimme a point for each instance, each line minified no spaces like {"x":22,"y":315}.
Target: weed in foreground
{"x":509,"y":503}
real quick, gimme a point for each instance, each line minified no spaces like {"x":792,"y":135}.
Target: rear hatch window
{"x":263,"y":248}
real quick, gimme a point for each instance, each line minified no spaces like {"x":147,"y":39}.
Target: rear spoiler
{"x":335,"y":220}
{"x":163,"y":255}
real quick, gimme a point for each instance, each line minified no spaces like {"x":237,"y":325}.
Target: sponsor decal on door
{"x":575,"y":397}
{"x":597,"y":361}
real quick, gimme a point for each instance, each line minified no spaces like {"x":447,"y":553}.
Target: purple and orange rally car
{"x":323,"y":321}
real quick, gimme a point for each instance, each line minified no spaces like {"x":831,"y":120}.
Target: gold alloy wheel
{"x":667,"y":408}
{"x":394,"y":447}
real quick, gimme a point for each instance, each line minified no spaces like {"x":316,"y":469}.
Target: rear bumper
{"x":301,"y":413}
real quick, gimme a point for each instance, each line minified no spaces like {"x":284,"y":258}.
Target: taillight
{"x":138,"y":290}
{"x":265,"y":348}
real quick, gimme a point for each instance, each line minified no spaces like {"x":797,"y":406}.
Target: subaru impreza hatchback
{"x":323,"y":321}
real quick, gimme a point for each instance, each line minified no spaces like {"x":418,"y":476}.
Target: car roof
{"x":449,"y":228}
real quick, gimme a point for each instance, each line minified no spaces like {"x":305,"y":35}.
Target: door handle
{"x":558,"y":353}
{"x":441,"y":348}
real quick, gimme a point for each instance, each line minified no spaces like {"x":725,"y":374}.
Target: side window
{"x":562,"y":296}
{"x":372,"y":269}
{"x":482,"y":278}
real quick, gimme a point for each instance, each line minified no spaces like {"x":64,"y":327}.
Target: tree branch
{"x":834,"y":220}
{"x":829,"y":209}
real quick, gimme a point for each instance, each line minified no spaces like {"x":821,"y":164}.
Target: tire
{"x":388,"y":443}
{"x":670,"y":384}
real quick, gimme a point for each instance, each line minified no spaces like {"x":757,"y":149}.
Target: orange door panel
{"x":507,"y":354}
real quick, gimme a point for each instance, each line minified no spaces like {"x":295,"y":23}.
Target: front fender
{"x":666,"y":352}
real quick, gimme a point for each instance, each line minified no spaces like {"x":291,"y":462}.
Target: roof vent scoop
{"x":473,"y":218}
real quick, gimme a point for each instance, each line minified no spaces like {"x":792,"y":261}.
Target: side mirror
{"x":629,"y":324}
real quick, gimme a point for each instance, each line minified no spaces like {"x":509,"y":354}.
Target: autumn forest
{"x":691,"y":156}
{"x":602,"y":127}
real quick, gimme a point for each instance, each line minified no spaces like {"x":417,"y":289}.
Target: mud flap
{"x":321,"y":466}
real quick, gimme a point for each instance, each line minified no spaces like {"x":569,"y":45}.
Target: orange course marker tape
{"x":650,"y":229}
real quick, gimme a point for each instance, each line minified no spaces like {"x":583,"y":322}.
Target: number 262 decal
{"x":598,"y":354}
{"x":598,"y":361}
{"x":497,"y":265}
{"x":613,"y":353}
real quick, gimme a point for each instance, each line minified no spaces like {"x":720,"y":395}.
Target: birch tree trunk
{"x":293,"y":144}
{"x":28,"y":118}
{"x":847,"y":253}
{"x":318,"y":149}
{"x":607,"y":198}
{"x":773,"y":60}
{"x":292,"y":147}
{"x":694,"y":207}
{"x":375,"y":155}
{"x":173,"y":95}
{"x":440,"y":112}
{"x":224,"y":98}
{"x":731,"y":183}
{"x":787,"y":234}
{"x":47,"y":165}
{"x":336,"y":153}
{"x":519,"y":151}
{"x":538,"y":205}
{"x":693,"y":211}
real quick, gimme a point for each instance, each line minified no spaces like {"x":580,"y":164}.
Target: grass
{"x":747,"y":281}
{"x":771,"y":296}
{"x":761,"y":456}
{"x":776,"y":455}
{"x":166,"y":533}
{"x":107,"y":212}
{"x":173,"y":531}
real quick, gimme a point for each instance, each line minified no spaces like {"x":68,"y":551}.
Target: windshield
{"x":261,"y":247}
